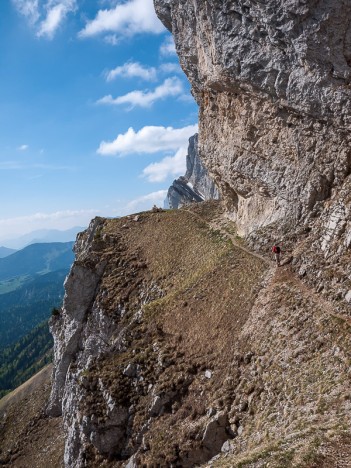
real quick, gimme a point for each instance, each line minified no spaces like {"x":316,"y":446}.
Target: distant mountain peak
{"x":5,"y":252}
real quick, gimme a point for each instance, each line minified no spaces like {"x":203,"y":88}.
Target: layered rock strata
{"x":196,"y":185}
{"x":272,"y":80}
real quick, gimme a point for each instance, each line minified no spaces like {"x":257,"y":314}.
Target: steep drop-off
{"x":272,"y":80}
{"x":180,"y":342}
{"x":176,"y":344}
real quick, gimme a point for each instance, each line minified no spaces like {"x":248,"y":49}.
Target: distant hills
{"x":29,"y":305}
{"x":36,"y":259}
{"x":31,"y":285}
{"x":5,"y":252}
{"x":42,"y":236}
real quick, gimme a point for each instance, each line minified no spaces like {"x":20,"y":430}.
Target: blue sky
{"x":95,"y":111}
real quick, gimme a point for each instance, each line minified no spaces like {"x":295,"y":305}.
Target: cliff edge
{"x":180,"y":343}
{"x":176,"y":345}
{"x":272,"y":80}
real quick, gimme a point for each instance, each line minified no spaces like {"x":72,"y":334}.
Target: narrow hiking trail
{"x":276,"y":273}
{"x":303,"y":357}
{"x":273,"y":274}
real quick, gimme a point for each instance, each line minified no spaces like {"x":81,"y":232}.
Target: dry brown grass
{"x":27,"y":437}
{"x":206,"y":289}
{"x":192,"y":301}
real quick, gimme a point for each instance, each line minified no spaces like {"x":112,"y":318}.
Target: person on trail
{"x":277,"y":252}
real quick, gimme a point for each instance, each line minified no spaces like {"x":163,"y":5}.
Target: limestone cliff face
{"x":272,"y":80}
{"x":195,"y":185}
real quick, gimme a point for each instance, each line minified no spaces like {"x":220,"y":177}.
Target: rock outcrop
{"x":128,"y":362}
{"x":196,"y":185}
{"x":272,"y":80}
{"x":175,"y":344}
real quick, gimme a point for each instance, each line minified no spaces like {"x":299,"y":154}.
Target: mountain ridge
{"x":5,"y":252}
{"x":196,"y":185}
{"x":43,"y":236}
{"x":181,"y":342}
{"x":35,"y":259}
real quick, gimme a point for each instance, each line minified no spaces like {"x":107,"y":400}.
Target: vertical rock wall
{"x":273,"y":82}
{"x":196,"y":185}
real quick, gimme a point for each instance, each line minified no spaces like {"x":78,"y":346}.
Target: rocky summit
{"x":180,"y":342}
{"x":195,"y":185}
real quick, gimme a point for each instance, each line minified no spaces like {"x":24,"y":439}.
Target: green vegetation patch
{"x":25,"y":358}
{"x":29,"y":305}
{"x":13,"y":284}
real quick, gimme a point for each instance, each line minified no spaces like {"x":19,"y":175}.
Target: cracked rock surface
{"x":273,"y":83}
{"x":196,"y":185}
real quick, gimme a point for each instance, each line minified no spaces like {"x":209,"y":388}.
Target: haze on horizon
{"x":96,"y":112}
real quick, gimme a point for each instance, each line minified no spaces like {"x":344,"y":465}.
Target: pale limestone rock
{"x":196,"y":185}
{"x":272,"y":80}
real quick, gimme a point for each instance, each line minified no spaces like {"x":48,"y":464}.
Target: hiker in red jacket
{"x":277,"y":252}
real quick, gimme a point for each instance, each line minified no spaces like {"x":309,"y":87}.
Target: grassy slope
{"x":279,"y":356}
{"x":209,"y":287}
{"x":27,"y":437}
{"x":302,"y":358}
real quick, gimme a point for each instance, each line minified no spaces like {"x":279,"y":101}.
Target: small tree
{"x":55,"y":312}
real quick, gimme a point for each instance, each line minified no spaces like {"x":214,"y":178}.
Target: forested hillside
{"x":36,"y":258}
{"x":21,"y":360}
{"x":23,"y":309}
{"x":31,"y":285}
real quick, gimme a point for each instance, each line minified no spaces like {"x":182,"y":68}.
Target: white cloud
{"x":57,"y":220}
{"x":170,"y":165}
{"x":126,"y":19}
{"x":145,"y":202}
{"x":170,"y":87}
{"x":132,"y":70}
{"x":138,"y":70}
{"x":168,"y":47}
{"x":57,"y":10}
{"x":23,"y":148}
{"x":47,"y":15}
{"x":170,"y":68}
{"x":28,"y":8}
{"x":52,"y":21}
{"x":150,"y":139}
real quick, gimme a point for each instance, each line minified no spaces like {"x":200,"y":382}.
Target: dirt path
{"x":217,"y":224}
